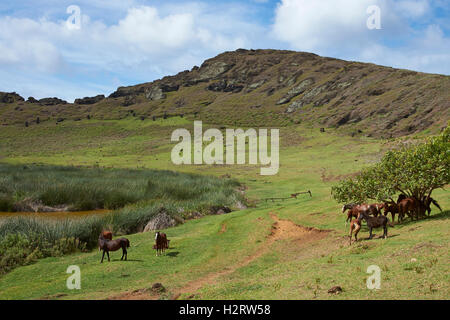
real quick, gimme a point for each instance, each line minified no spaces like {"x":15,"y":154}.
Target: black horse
{"x":374,"y":222}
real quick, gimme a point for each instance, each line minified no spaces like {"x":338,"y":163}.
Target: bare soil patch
{"x":280,"y":230}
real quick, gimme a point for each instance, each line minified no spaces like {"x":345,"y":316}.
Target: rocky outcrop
{"x":297,"y":90}
{"x":90,"y":100}
{"x":225,"y":86}
{"x":161,"y":221}
{"x":10,"y":97}
{"x":127,"y":91}
{"x":158,"y":92}
{"x":51,"y":101}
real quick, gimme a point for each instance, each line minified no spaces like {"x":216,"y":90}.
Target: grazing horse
{"x":161,"y":242}
{"x":355,"y":226}
{"x":113,"y":245}
{"x":374,"y":222}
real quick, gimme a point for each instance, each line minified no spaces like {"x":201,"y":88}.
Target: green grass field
{"x":239,"y":255}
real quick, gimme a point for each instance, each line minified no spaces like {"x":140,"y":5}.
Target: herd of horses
{"x":107,"y":244}
{"x":374,"y":217}
{"x":371,"y":213}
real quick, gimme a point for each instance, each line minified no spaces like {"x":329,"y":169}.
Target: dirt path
{"x":281,"y":230}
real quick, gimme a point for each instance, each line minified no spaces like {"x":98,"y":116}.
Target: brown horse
{"x":107,"y":234}
{"x":354,"y":210}
{"x":113,"y":245}
{"x":412,"y":207}
{"x":391,"y":207}
{"x":355,"y":226}
{"x":161,"y":242}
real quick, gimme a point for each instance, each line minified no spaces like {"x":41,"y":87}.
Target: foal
{"x":161,"y":242}
{"x":113,"y":245}
{"x":374,"y":222}
{"x":355,"y":226}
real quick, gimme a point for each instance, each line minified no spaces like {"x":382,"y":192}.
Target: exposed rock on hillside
{"x":277,"y":88}
{"x":10,"y":97}
{"x":90,"y":100}
{"x":52,"y":101}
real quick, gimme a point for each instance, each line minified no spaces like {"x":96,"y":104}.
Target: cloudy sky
{"x":45,"y":50}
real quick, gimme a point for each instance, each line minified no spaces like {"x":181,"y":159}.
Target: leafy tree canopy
{"x":414,"y":171}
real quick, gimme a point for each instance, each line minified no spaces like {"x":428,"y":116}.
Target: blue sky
{"x":125,"y":42}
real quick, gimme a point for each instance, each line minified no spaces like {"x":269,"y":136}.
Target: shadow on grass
{"x":444,"y":215}
{"x":173,"y":254}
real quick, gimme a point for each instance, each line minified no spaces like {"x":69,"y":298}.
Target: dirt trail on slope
{"x":281,"y":230}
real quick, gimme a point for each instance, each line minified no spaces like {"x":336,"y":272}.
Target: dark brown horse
{"x":161,"y":242}
{"x":411,"y":207}
{"x":391,"y":207}
{"x":427,"y":201}
{"x":374,"y":222}
{"x":113,"y":245}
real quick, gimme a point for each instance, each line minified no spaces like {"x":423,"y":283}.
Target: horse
{"x":374,"y":222}
{"x":161,"y":242}
{"x":352,"y":211}
{"x":113,"y":245}
{"x":391,"y":207}
{"x":356,"y":209}
{"x":355,"y":226}
{"x":427,"y":201}
{"x":410,"y":206}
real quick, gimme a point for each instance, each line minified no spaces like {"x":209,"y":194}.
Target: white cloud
{"x":146,"y":42}
{"x":338,"y":28}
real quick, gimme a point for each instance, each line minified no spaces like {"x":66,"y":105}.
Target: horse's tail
{"x":436,"y":203}
{"x":128,"y":243}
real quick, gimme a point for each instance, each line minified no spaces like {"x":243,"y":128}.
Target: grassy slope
{"x":201,"y":248}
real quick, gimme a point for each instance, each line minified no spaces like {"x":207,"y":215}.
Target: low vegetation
{"x":141,"y":194}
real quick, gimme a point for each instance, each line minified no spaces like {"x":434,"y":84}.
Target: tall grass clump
{"x":97,"y":188}
{"x":135,"y":195}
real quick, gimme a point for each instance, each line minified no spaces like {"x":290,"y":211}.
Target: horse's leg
{"x":350,"y":235}
{"x":107,"y":252}
{"x":123,"y":253}
{"x":357,"y":228}
{"x":103,"y":255}
{"x":370,"y":234}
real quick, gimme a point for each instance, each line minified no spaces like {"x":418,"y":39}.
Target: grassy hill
{"x":265,"y":88}
{"x":292,"y":249}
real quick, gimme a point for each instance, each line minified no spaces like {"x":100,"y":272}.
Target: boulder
{"x":161,"y":221}
{"x":32,"y":100}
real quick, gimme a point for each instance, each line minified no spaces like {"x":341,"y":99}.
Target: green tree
{"x":415,"y":171}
